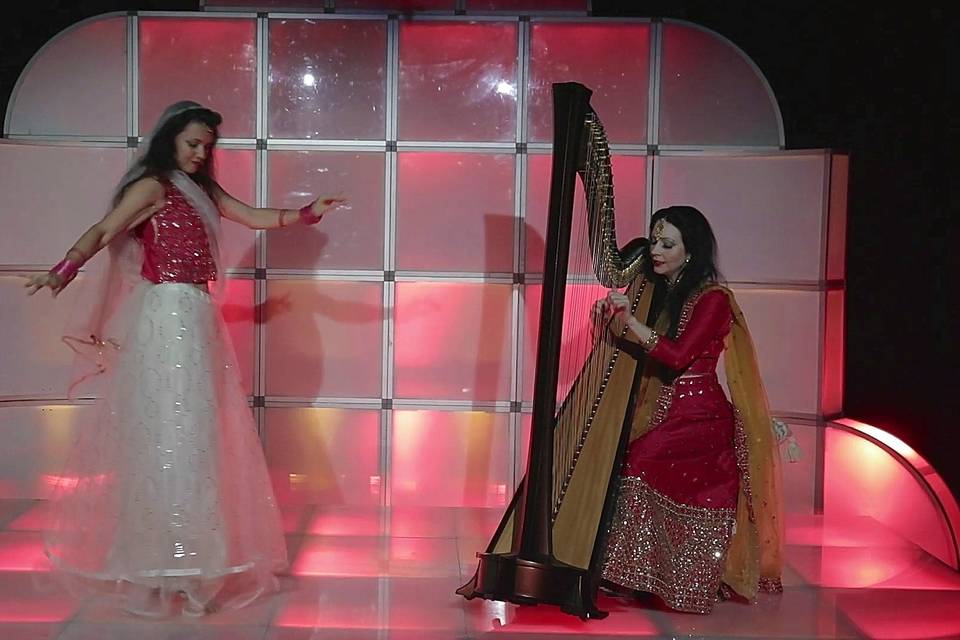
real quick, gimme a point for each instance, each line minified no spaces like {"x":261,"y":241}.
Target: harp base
{"x":510,"y":578}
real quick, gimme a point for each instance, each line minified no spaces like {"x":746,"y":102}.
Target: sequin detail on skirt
{"x":666,"y":548}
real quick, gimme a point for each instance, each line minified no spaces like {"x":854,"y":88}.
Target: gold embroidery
{"x":673,"y":550}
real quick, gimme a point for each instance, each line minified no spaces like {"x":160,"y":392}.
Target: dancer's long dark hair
{"x":700,"y":244}
{"x":161,"y":155}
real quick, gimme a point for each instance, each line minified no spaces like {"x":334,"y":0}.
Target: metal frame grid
{"x":391,"y":147}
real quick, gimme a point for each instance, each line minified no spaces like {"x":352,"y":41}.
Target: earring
{"x":687,"y":261}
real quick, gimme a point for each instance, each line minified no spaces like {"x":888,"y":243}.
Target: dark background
{"x":875,"y":81}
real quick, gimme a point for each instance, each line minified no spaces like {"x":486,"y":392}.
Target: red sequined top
{"x":701,"y":342}
{"x":175,"y":245}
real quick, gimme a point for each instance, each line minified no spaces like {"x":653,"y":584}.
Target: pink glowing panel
{"x":535,"y":6}
{"x":348,"y":238}
{"x":458,"y":81}
{"x":630,"y":191}
{"x":396,"y":5}
{"x":76,"y":85}
{"x":344,"y":556}
{"x":50,"y":195}
{"x":628,"y":620}
{"x":345,"y":605}
{"x":411,"y":521}
{"x":837,"y":226}
{"x":22,"y":551}
{"x":903,"y":567}
{"x":211,"y":61}
{"x":790,"y":368}
{"x":833,"y":350}
{"x":326,"y":456}
{"x":35,"y":518}
{"x":576,"y":339}
{"x":235,"y":173}
{"x":452,"y":341}
{"x":36,"y":362}
{"x":711,"y":93}
{"x":349,"y":520}
{"x":238,"y":313}
{"x":861,"y":478}
{"x":327,"y":79}
{"x":890,"y":615}
{"x":37,"y":442}
{"x":27,"y":602}
{"x":323,"y":338}
{"x":455,"y":212}
{"x":799,"y":478}
{"x":422,"y":557}
{"x":766,"y":211}
{"x":613,"y":60}
{"x":447,"y":458}
{"x":409,"y":611}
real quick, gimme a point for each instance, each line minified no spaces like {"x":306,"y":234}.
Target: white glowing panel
{"x":212,"y":61}
{"x":36,"y":362}
{"x":323,"y":338}
{"x":50,"y":195}
{"x":452,"y":341}
{"x":235,"y":173}
{"x":350,"y":237}
{"x":37,"y":440}
{"x":711,"y":93}
{"x":458,"y":81}
{"x":612,"y":60}
{"x":447,"y":458}
{"x":60,"y":95}
{"x":767,"y":212}
{"x":785,"y":326}
{"x":455,"y":212}
{"x":323,"y":456}
{"x":327,"y":79}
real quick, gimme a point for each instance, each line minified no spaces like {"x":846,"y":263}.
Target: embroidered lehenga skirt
{"x":676,"y":508}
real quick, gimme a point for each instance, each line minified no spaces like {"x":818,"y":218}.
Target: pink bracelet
{"x":66,"y":269}
{"x":307,"y":216}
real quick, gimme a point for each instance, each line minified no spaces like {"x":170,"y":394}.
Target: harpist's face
{"x":667,"y":251}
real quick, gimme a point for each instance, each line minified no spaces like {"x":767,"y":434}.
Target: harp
{"x":549,"y":545}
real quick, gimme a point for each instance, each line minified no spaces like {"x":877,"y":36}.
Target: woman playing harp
{"x":697,"y":514}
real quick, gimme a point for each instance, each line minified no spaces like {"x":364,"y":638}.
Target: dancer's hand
{"x":41,"y":280}
{"x":322,"y":206}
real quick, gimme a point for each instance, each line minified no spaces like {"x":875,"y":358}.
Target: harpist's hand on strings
{"x":618,"y":303}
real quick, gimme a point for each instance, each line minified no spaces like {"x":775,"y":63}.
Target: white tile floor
{"x":367,"y":574}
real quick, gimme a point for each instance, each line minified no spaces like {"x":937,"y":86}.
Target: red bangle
{"x":307,"y":216}
{"x":66,"y":269}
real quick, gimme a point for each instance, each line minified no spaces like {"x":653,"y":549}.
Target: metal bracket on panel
{"x":386,"y":403}
{"x":261,"y":144}
{"x":516,"y":407}
{"x":519,"y":278}
{"x":521,"y":148}
{"x":259,"y":401}
{"x":391,"y":145}
{"x":263,"y":14}
{"x":653,"y":150}
{"x":260,"y":273}
{"x":132,"y":142}
{"x":389,"y":276}
{"x":524,"y":18}
{"x":132,"y":13}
